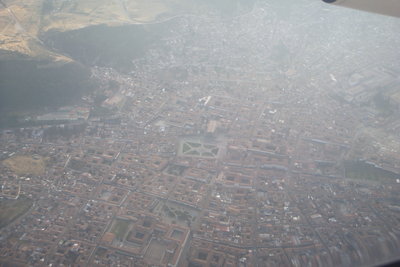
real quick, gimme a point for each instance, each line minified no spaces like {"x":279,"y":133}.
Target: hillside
{"x":23,"y":22}
{"x":44,"y":42}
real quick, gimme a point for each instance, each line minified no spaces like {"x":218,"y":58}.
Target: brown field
{"x":26,"y":165}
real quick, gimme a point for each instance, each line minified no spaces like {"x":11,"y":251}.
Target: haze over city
{"x":198,"y":133}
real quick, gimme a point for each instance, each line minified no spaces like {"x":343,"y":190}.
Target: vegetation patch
{"x":26,"y":165}
{"x":120,"y":227}
{"x":174,"y":213}
{"x":11,"y":209}
{"x":185,"y":148}
{"x":361,"y":170}
{"x":198,"y":149}
{"x":77,"y":165}
{"x":193,"y":144}
{"x":176,"y":169}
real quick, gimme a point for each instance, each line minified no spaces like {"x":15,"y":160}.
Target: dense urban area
{"x":254,"y":140}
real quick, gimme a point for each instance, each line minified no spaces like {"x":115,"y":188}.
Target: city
{"x":207,"y":153}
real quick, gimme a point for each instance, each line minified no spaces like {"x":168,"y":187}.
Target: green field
{"x":198,"y":149}
{"x":120,"y":227}
{"x":185,"y":148}
{"x":12,"y":209}
{"x":363,"y":171}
